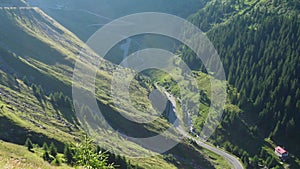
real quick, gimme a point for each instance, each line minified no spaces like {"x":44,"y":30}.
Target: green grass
{"x":205,"y":158}
{"x":35,"y":118}
{"x":204,"y":85}
{"x":16,"y":156}
{"x":49,"y":61}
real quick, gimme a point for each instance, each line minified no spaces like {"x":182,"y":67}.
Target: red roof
{"x":280,"y":150}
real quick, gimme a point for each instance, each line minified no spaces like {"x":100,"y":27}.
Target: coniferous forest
{"x":43,"y":126}
{"x":260,"y":50}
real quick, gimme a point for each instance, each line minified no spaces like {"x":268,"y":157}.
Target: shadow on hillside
{"x":123,"y":125}
{"x":11,"y":132}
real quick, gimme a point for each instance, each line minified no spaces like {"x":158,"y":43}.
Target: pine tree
{"x":45,"y":146}
{"x":29,"y":144}
{"x":25,"y":80}
{"x":262,"y":153}
{"x":46,"y":157}
{"x":290,"y":127}
{"x":255,"y":161}
{"x":53,"y":150}
{"x":56,"y":161}
{"x":68,"y":154}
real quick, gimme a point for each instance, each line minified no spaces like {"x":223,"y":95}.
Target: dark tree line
{"x":85,"y":154}
{"x":72,"y":154}
{"x":260,"y":52}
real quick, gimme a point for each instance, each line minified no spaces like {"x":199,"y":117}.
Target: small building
{"x":281,"y":153}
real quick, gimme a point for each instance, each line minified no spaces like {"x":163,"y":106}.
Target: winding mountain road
{"x":236,"y":164}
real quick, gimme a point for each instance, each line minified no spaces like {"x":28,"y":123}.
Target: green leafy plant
{"x":86,"y":155}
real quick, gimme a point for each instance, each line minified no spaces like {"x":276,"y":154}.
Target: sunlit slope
{"x":15,"y":156}
{"x":35,"y":46}
{"x":37,"y":57}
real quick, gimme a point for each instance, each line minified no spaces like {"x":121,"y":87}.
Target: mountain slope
{"x":15,"y":156}
{"x":86,"y":17}
{"x":37,"y":59}
{"x":258,"y":42}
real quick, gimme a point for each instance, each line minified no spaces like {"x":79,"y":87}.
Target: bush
{"x":87,"y":156}
{"x":56,"y":161}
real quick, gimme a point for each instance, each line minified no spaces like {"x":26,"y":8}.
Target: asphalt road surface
{"x":236,"y":164}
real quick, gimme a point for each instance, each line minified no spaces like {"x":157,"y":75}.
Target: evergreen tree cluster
{"x":50,"y":154}
{"x":119,"y":161}
{"x":85,"y":154}
{"x":260,"y":51}
{"x":262,"y":64}
{"x":38,"y":91}
{"x":60,"y":100}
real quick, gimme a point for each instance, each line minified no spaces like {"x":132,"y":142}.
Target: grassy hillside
{"x":15,"y":156}
{"x":85,"y":17}
{"x":258,"y":41}
{"x":37,"y":59}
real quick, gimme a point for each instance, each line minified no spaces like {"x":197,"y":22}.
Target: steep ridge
{"x":85,"y":17}
{"x":258,"y":42}
{"x":37,"y":57}
{"x":37,"y":47}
